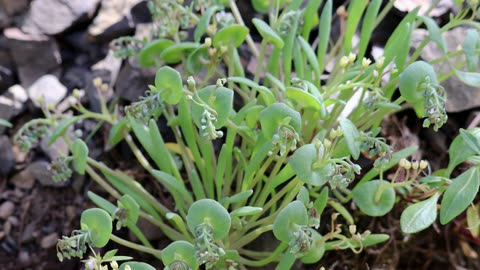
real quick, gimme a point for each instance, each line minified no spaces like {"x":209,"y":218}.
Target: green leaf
{"x":80,"y":155}
{"x":321,"y":201}
{"x":311,"y":58}
{"x":310,"y":18}
{"x":136,"y":266}
{"x":178,"y":52}
{"x":324,"y":26}
{"x":62,"y":128}
{"x":5,"y":123}
{"x":352,"y":136}
{"x":197,"y":60}
{"x":152,"y":51}
{"x":473,"y":221}
{"x":117,"y":132}
{"x":303,"y":99}
{"x":99,"y":223}
{"x":470,"y":45}
{"x":169,"y":81}
{"x":275,"y":115}
{"x":469,"y":78}
{"x":218,"y":98}
{"x":303,"y":161}
{"x":268,"y":33}
{"x":133,"y":209}
{"x":459,"y":151}
{"x":364,"y":196}
{"x":355,"y":11}
{"x":204,"y":22}
{"x":246,"y":211}
{"x":470,"y":140}
{"x":180,"y":251}
{"x":178,"y":221}
{"x":285,"y":223}
{"x":239,"y":197}
{"x":434,"y":32}
{"x":233,"y":34}
{"x":176,"y":187}
{"x":317,"y":250}
{"x":101,"y":202}
{"x":368,"y":25}
{"x":419,"y":216}
{"x":459,"y":195}
{"x":210,"y":212}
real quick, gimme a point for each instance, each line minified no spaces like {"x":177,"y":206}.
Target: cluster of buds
{"x":347,"y":60}
{"x":146,"y":107}
{"x":376,"y":146}
{"x":434,"y":108}
{"x":344,"y":173}
{"x":124,"y":47}
{"x":60,"y":169}
{"x":73,"y":246}
{"x":169,"y":17}
{"x":301,"y":242}
{"x":207,"y":128}
{"x":206,"y":250}
{"x":415,"y":165}
{"x":286,"y":138}
{"x":177,"y":265}
{"x":30,"y":134}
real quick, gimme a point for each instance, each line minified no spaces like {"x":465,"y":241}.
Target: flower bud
{"x":366,"y":62}
{"x":343,"y":61}
{"x":351,"y":58}
{"x":352,"y":229}
{"x":208,"y":42}
{"x":423,"y":164}
{"x":114,"y":265}
{"x":380,"y":62}
{"x":415,"y":165}
{"x":97,"y":82}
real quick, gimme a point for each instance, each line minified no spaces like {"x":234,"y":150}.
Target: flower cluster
{"x":301,"y":242}
{"x":434,"y":108}
{"x":73,"y":246}
{"x":146,"y":107}
{"x":30,"y":134}
{"x":207,"y":251}
{"x":60,"y":169}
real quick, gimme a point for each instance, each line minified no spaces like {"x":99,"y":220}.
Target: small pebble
{"x":49,"y":240}
{"x":6,"y":209}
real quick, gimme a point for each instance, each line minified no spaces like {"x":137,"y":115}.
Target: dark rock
{"x":34,"y":55}
{"x":13,"y":7}
{"x":7,"y":160}
{"x":140,"y":13}
{"x":6,"y":209}
{"x":132,"y":82}
{"x":113,"y":20}
{"x":5,"y":20}
{"x":49,"y":89}
{"x":55,"y":16}
{"x":7,"y":78}
{"x":74,"y":77}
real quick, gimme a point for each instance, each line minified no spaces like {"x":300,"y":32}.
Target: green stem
{"x":274,"y":256}
{"x":155,"y":252}
{"x":239,"y":19}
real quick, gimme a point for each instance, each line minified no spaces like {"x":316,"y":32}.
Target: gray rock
{"x":40,"y":170}
{"x":7,"y":160}
{"x":460,"y":96}
{"x":49,"y":240}
{"x":6,"y":209}
{"x":57,"y":149}
{"x":132,"y":82}
{"x":12,"y":103}
{"x":113,"y":20}
{"x":52,"y":17}
{"x":23,"y":179}
{"x":13,"y":7}
{"x":49,"y":89}
{"x":33,"y":55}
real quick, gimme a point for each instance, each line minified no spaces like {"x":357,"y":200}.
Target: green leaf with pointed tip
{"x":239,"y":197}
{"x":434,"y":32}
{"x":233,"y":34}
{"x":419,"y":216}
{"x":5,"y":123}
{"x":169,"y":81}
{"x":180,"y":251}
{"x":321,"y":201}
{"x":470,"y":140}
{"x":459,"y":195}
{"x":99,"y":223}
{"x":459,"y":151}
{"x":136,"y":266}
{"x":133,"y":209}
{"x":355,"y":11}
{"x":204,"y":22}
{"x":302,"y":163}
{"x":470,"y":46}
{"x":352,"y":136}
{"x":210,"y":212}
{"x":218,"y":98}
{"x":274,"y":115}
{"x":176,"y":53}
{"x":152,"y":51}
{"x":117,"y":132}
{"x":473,"y":220}
{"x":61,"y":128}
{"x":469,"y":78}
{"x":80,"y":155}
{"x":268,"y":33}
{"x":303,"y":195}
{"x":101,"y":202}
{"x":178,"y":221}
{"x":288,"y":219}
{"x":364,"y":196}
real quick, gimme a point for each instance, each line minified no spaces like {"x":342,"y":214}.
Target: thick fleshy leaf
{"x":459,"y":151}
{"x":196,"y":60}
{"x":136,"y":266}
{"x":133,"y":209}
{"x":150,"y":54}
{"x":117,"y":132}
{"x":470,"y":45}
{"x":180,"y":251}
{"x":178,"y":52}
{"x":220,"y":99}
{"x":274,"y":115}
{"x":233,"y":34}
{"x":169,"y":81}
{"x":459,"y":195}
{"x":287,"y":220}
{"x":210,"y":212}
{"x":302,"y":163}
{"x":246,"y":211}
{"x":434,"y":32}
{"x":364,"y":196}
{"x":99,"y":223}
{"x":80,"y":155}
{"x":303,"y":99}
{"x":61,"y":128}
{"x":419,"y":216}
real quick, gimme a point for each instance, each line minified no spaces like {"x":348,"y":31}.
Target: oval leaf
{"x":419,"y":216}
{"x":352,"y":136}
{"x":99,"y":223}
{"x":364,"y":196}
{"x":169,"y":81}
{"x":80,"y":155}
{"x":293,"y":214}
{"x":210,"y":212}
